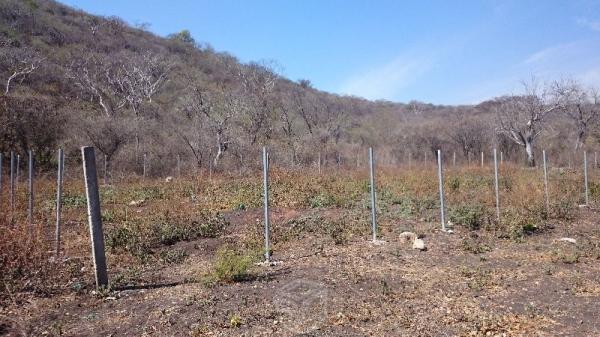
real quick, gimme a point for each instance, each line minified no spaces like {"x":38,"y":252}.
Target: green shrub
{"x":231,"y":265}
{"x":174,"y":256}
{"x":74,"y":201}
{"x":471,"y":216}
{"x":321,"y":200}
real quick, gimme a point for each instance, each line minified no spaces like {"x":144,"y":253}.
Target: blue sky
{"x":444,"y":52}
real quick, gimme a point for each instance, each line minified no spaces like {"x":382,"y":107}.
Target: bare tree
{"x":19,"y":63}
{"x":469,"y":133}
{"x":581,"y":106}
{"x":218,"y":109}
{"x":522,"y":118}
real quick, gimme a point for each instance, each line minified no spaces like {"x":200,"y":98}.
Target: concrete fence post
{"x":59,"y":182}
{"x":373,"y":202}
{"x":94,"y":215}
{"x":441,"y":185}
{"x":266,"y":202}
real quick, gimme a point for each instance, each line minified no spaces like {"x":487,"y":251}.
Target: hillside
{"x":70,"y":78}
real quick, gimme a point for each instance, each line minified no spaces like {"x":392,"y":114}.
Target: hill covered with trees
{"x":70,"y":78}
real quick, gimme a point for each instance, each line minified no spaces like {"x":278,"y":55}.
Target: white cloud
{"x":553,"y":52}
{"x":589,"y":24}
{"x":387,"y":80}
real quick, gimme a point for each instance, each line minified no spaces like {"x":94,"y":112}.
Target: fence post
{"x":105,"y":170}
{"x":18,"y":171}
{"x":12,"y":183}
{"x":319,"y":162}
{"x":481,"y":158}
{"x":501,"y":158}
{"x":454,"y":159}
{"x":441,"y":183}
{"x":30,"y":192}
{"x":59,"y":181}
{"x":178,"y":166}
{"x":1,"y":169}
{"x":585,"y":177}
{"x":595,"y":160}
{"x":546,"y":182}
{"x":266,"y":201}
{"x":469,"y":158}
{"x":144,"y":167}
{"x":373,"y":203}
{"x":94,"y":215}
{"x":425,"y":158}
{"x":496,"y":185}
{"x":409,"y":159}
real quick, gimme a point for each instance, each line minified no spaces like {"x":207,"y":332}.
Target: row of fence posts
{"x":95,"y":218}
{"x":440,"y":184}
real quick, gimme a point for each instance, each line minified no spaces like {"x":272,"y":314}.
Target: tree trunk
{"x":529,"y":152}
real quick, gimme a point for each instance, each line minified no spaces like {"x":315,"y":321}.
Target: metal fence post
{"x":501,"y":158}
{"x":94,"y":215}
{"x":18,"y":171}
{"x":454,"y":159}
{"x":59,"y":181}
{"x":441,"y":183}
{"x":178,"y":166}
{"x":105,"y":177}
{"x":1,"y":169}
{"x":12,"y":183}
{"x":144,"y":166}
{"x":496,"y":185}
{"x":585,"y":177}
{"x":481,"y":158}
{"x":30,"y":192}
{"x":319,"y":162}
{"x":546,"y":182}
{"x":266,"y":201}
{"x":373,"y":203}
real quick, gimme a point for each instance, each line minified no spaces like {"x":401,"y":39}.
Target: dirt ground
{"x":468,"y":283}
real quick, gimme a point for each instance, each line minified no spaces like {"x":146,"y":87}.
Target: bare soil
{"x":469,"y":283}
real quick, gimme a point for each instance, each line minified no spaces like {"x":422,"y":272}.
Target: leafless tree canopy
{"x":70,"y":78}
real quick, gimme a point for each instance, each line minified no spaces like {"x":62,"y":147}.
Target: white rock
{"x":570,"y":240}
{"x":419,"y":244}
{"x":137,"y":202}
{"x":408,"y":236}
{"x":168,"y":179}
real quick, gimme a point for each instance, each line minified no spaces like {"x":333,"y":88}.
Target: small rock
{"x":419,"y":244}
{"x":570,"y":240}
{"x":168,"y":179}
{"x":408,"y":236}
{"x":137,"y":203}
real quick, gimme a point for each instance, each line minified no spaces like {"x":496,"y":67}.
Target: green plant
{"x":471,"y":216}
{"x":321,"y":200}
{"x":174,"y":256}
{"x":231,"y":265}
{"x":235,"y":321}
